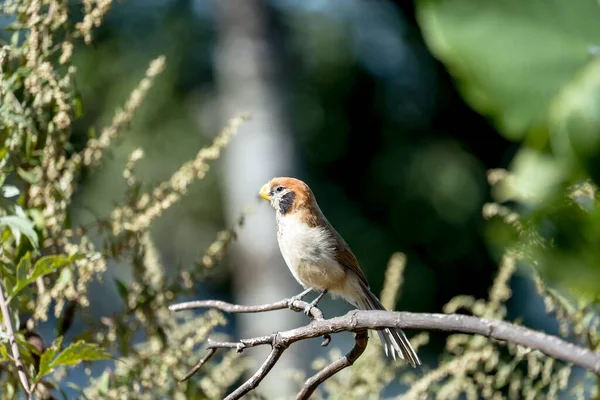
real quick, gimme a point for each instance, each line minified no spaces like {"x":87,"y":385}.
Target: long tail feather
{"x":394,"y":340}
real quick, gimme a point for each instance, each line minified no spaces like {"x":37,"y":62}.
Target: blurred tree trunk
{"x":246,"y":74}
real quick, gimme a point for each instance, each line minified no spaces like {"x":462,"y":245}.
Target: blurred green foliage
{"x":533,"y":68}
{"x":510,"y":57}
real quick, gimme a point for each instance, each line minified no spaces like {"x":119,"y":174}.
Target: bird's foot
{"x":314,"y":303}
{"x":299,"y":296}
{"x":308,"y":308}
{"x":296,"y":298}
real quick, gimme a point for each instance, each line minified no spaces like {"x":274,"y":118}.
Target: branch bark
{"x":13,"y":343}
{"x":360,"y":322}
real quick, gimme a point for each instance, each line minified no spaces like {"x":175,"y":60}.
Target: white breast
{"x":309,"y":254}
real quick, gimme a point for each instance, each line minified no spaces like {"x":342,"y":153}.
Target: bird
{"x":320,"y":259}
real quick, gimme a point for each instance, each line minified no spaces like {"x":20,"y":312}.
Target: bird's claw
{"x":307,"y":309}
{"x":295,"y":298}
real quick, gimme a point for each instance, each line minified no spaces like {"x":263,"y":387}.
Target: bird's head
{"x":287,"y":195}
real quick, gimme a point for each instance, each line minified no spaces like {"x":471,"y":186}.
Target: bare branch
{"x":314,"y":381}
{"x":359,"y":321}
{"x":13,"y":343}
{"x":294,"y":305}
{"x":228,"y":307}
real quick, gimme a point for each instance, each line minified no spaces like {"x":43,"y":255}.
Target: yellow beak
{"x":264,"y":192}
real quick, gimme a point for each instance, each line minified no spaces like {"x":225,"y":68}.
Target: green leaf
{"x":4,"y":353}
{"x":20,"y":225}
{"x":43,"y":266}
{"x":104,"y":383}
{"x":32,"y":349}
{"x":22,"y":270}
{"x":78,"y":106}
{"x":32,"y":176}
{"x":510,"y":57}
{"x":74,"y":354}
{"x":48,"y":264}
{"x":122,"y":289}
{"x":575,"y":123}
{"x":47,"y":357}
{"x":80,"y":351}
{"x":9,"y":191}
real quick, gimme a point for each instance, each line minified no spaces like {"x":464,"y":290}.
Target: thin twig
{"x":208,"y":356}
{"x":228,"y":307}
{"x":13,"y":343}
{"x":295,"y":305}
{"x":314,"y":381}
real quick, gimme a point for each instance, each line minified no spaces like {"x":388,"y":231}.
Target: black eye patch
{"x":286,"y":202}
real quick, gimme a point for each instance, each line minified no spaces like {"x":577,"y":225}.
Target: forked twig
{"x":360,"y":322}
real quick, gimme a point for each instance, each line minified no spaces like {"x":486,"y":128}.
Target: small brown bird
{"x":321,"y":260}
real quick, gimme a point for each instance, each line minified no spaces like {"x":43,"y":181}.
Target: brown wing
{"x":347,"y":259}
{"x":343,"y":254}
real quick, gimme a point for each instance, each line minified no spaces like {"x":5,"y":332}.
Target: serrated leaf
{"x":42,"y":267}
{"x":18,"y":226}
{"x":48,"y":264}
{"x":47,"y":358}
{"x":78,"y":352}
{"x":74,"y":354}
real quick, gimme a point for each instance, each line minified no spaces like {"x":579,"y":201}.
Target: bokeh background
{"x":392,"y":111}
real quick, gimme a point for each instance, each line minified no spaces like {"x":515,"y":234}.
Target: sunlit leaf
{"x":3,"y":352}
{"x":20,"y":226}
{"x":43,"y":266}
{"x":74,"y":354}
{"x":22,"y":270}
{"x":47,"y":358}
{"x":9,"y":191}
{"x":80,"y":351}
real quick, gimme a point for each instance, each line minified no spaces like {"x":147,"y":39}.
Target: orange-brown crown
{"x":303,"y":198}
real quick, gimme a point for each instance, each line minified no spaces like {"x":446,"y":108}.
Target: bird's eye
{"x":279,"y":189}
